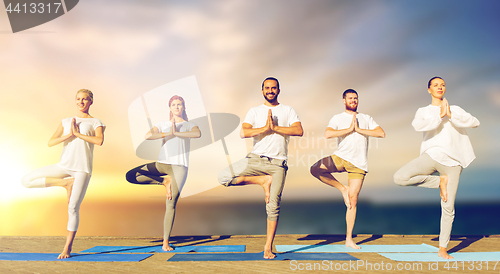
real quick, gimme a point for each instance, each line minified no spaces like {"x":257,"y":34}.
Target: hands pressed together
{"x":445,"y":109}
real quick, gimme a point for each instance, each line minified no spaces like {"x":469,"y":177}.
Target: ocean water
{"x":328,"y":217}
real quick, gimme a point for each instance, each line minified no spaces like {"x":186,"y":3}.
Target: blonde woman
{"x":171,"y":168}
{"x":78,"y":135}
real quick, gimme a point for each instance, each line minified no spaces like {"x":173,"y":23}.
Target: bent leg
{"x":147,"y":174}
{"x":38,"y":177}
{"x":418,"y":173}
{"x":323,"y":170}
{"x":354,"y":189}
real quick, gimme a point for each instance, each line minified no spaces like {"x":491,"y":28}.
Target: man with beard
{"x":352,"y":130}
{"x":270,"y":125}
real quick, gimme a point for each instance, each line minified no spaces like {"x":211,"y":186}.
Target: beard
{"x":354,"y":108}
{"x":271,"y":100}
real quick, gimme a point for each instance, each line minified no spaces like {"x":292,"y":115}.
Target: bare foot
{"x":350,"y":243}
{"x":345,"y":195}
{"x":268,"y":254}
{"x":65,"y":254}
{"x":69,"y":189}
{"x":267,"y":187}
{"x":168,"y":186}
{"x":444,"y":254}
{"x":443,"y":191}
{"x":166,"y":246}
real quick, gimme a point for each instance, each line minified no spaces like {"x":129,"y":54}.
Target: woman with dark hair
{"x":445,"y":148}
{"x":78,"y":134}
{"x":172,"y":166}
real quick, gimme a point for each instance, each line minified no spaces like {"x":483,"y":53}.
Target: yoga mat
{"x":157,"y":248}
{"x":74,"y":257}
{"x":433,"y":257}
{"x":364,"y":248}
{"x":259,"y":257}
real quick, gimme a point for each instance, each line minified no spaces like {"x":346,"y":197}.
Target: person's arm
{"x":58,"y":138}
{"x":98,"y":139}
{"x":294,"y":130}
{"x":334,"y":133}
{"x":461,"y":118}
{"x":376,"y":132}
{"x":421,"y":123}
{"x":193,"y":133}
{"x":155,"y":133}
{"x":247,"y":130}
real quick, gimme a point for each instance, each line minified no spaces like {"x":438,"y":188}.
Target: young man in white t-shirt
{"x":352,"y":130}
{"x":270,"y":125}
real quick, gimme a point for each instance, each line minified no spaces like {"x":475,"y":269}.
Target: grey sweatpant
{"x":418,"y":173}
{"x":151,"y":174}
{"x":255,"y":165}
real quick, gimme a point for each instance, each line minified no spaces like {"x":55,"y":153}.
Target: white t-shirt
{"x":77,"y":154}
{"x":175,"y":151}
{"x":272,"y":145}
{"x":353,"y":147}
{"x":446,"y":140}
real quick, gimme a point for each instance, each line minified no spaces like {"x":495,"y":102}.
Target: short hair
{"x":348,"y":91}
{"x":435,"y":77}
{"x":270,"y":78}
{"x":89,"y":93}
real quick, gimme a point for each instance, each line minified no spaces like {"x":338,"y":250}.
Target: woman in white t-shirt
{"x":171,"y":168}
{"x":78,"y":134}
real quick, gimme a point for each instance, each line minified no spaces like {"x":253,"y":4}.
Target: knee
{"x":225,"y":177}
{"x":400,"y":178}
{"x":25,"y":181}
{"x":353,"y":201}
{"x":131,"y":176}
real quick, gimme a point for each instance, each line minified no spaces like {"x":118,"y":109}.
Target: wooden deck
{"x":372,"y":262}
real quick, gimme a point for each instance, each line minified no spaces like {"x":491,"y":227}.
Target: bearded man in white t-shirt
{"x":270,"y":125}
{"x":352,"y":130}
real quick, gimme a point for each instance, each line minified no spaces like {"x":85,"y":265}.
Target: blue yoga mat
{"x":433,"y":257}
{"x":177,"y":249}
{"x":364,"y":248}
{"x":260,"y":257}
{"x":74,"y":257}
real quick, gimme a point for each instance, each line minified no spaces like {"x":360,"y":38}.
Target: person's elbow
{"x":300,"y":132}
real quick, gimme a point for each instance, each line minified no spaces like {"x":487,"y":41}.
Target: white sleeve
{"x":333,"y":123}
{"x":371,"y":123}
{"x":293,"y":117}
{"x":461,"y":118}
{"x":99,"y":123}
{"x":250,"y":118}
{"x":422,"y":123}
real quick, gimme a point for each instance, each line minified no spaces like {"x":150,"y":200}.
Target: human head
{"x":88,"y":92}
{"x":430,"y":81}
{"x":177,"y":97}
{"x":436,"y":88}
{"x":350,"y":99}
{"x":271,"y":78}
{"x":348,"y":91}
{"x":270,"y":90}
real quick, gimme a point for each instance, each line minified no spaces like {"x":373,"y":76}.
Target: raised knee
{"x":25,"y":181}
{"x":225,"y":177}
{"x":399,"y":178}
{"x":131,"y":176}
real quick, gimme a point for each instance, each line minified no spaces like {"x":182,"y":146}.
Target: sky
{"x":386,"y":50}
